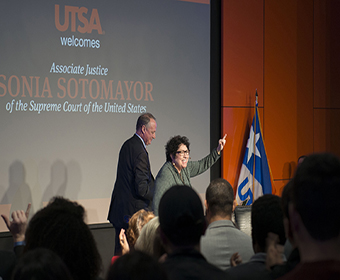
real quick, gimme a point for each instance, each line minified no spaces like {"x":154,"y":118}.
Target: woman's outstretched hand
{"x":221,"y":143}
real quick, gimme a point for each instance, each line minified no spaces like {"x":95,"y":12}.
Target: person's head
{"x":181,"y":217}
{"x":41,"y":264}
{"x":286,"y":198}
{"x":300,"y":159}
{"x":60,"y":227}
{"x":146,"y":239}
{"x":136,"y":265}
{"x":158,"y":247}
{"x":219,"y":199}
{"x":316,"y":191}
{"x":136,"y":223}
{"x":146,"y":127}
{"x":266,"y":216}
{"x":177,"y":151}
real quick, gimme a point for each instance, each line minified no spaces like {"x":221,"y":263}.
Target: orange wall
{"x":288,"y":51}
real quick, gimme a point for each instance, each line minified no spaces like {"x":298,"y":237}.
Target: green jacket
{"x":168,"y":176}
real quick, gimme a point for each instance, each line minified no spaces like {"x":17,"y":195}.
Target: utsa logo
{"x":82,"y":25}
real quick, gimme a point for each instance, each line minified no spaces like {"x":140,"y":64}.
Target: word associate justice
{"x":134,"y":186}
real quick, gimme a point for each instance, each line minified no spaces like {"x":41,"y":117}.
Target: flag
{"x":255,"y":176}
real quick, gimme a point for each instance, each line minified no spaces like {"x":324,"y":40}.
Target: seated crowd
{"x":296,"y":236}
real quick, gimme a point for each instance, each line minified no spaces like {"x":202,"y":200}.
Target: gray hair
{"x":145,"y":241}
{"x":144,"y":119}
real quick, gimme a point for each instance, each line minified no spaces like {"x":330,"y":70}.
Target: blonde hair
{"x":136,"y":223}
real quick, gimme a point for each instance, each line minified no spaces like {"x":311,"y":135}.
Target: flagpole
{"x":256,"y":100}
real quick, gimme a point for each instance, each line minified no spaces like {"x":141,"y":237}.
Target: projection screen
{"x":75,"y":76}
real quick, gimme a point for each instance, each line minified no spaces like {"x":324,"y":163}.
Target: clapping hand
{"x":123,"y":242}
{"x":235,"y":260}
{"x":274,"y":251}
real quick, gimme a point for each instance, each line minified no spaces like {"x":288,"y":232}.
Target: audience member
{"x":159,"y":251}
{"x":274,"y":251}
{"x":222,"y":239}
{"x":136,"y":223}
{"x":17,"y":228}
{"x":314,"y":218}
{"x":7,"y":264}
{"x":288,"y":246}
{"x":60,"y":227}
{"x":136,"y":265}
{"x":41,"y":264}
{"x":182,"y":223}
{"x":146,"y":240}
{"x":266,"y":217}
{"x":301,"y":159}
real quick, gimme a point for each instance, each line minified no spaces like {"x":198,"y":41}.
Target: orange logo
{"x":71,"y":15}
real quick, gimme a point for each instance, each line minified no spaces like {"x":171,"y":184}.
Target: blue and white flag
{"x":255,"y":177}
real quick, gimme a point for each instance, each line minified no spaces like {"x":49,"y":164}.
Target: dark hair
{"x":60,"y":227}
{"x":220,"y":197}
{"x":136,"y":265}
{"x":286,"y":198}
{"x":158,"y":247}
{"x":302,"y":158}
{"x":41,"y":264}
{"x":316,"y":192}
{"x":173,"y":144}
{"x":267,"y":216}
{"x":181,"y":216}
{"x":144,"y":119}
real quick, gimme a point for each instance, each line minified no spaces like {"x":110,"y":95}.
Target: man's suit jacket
{"x":134,"y":186}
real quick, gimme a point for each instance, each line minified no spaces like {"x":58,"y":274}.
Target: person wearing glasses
{"x":177,"y":170}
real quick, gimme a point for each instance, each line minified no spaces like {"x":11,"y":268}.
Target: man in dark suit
{"x":134,"y":186}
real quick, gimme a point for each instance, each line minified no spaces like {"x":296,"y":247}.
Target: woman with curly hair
{"x":177,"y":170}
{"x":136,"y":223}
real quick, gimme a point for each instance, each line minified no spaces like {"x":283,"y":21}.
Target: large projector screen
{"x":75,"y":76}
